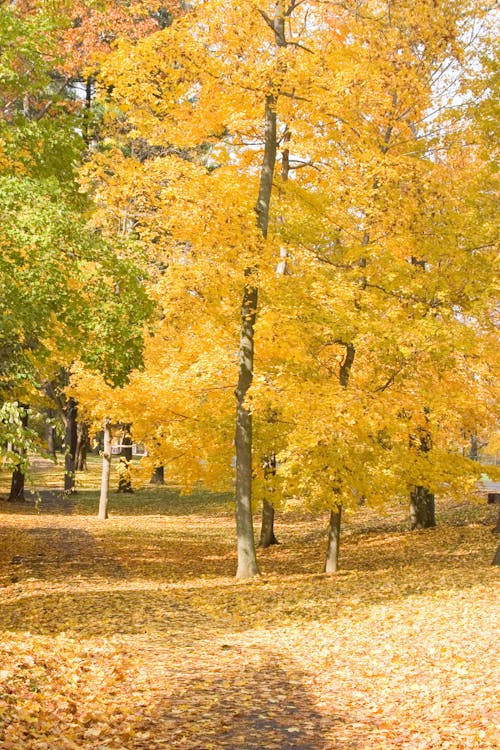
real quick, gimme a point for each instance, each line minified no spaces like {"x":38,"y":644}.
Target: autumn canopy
{"x":261,"y":238}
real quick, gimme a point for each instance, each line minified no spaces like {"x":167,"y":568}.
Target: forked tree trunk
{"x":158,"y":476}
{"x":333,"y":548}
{"x":267,"y":536}
{"x":17,"y":481}
{"x":70,"y":439}
{"x":422,"y":509}
{"x":106,"y":471}
{"x":82,"y":437}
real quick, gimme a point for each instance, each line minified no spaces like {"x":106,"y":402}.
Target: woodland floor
{"x":132,"y":634}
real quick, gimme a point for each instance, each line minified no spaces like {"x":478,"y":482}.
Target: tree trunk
{"x":332,"y":552}
{"x":247,"y":561}
{"x":496,"y":559}
{"x":50,"y":433}
{"x":127,"y":442}
{"x":17,"y":482}
{"x":106,"y":471}
{"x":16,"y":486}
{"x":70,"y":439}
{"x":267,"y":537}
{"x":158,"y":476}
{"x":124,"y":479}
{"x":474,"y":448}
{"x":82,"y":437}
{"x":422,"y":509}
{"x":496,"y":530}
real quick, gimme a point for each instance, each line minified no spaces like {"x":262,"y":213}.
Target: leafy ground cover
{"x":132,"y":634}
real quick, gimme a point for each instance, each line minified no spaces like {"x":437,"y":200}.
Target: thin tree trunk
{"x":333,"y":547}
{"x":496,"y":559}
{"x":158,"y":476}
{"x":17,"y":481}
{"x":267,"y":537}
{"x":82,"y":437}
{"x":124,"y":479}
{"x":70,"y":438}
{"x":127,"y":443}
{"x":496,"y":530}
{"x":106,"y":471}
{"x":422,"y":508}
{"x":50,"y":433}
{"x":247,"y":561}
{"x":332,"y":552}
{"x":16,"y":486}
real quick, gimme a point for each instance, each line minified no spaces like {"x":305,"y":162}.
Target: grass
{"x":132,"y":634}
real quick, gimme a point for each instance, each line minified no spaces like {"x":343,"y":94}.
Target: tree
{"x":390,"y":261}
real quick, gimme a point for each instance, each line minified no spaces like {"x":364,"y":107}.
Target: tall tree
{"x":383,"y":173}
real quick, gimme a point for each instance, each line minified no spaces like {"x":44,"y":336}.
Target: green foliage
{"x":16,"y":440}
{"x":65,"y":291}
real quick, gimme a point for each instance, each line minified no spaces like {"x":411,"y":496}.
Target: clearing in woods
{"x":132,"y":634}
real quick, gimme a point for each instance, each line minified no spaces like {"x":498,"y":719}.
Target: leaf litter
{"x":133,"y":635}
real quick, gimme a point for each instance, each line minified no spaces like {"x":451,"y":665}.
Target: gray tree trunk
{"x":496,"y":530}
{"x":267,"y":536}
{"x":333,"y":548}
{"x":247,"y":560}
{"x":106,"y":471}
{"x":158,"y":476}
{"x":422,"y":508}
{"x":496,"y":559}
{"x":82,"y":437}
{"x":50,"y":433}
{"x":70,"y":439}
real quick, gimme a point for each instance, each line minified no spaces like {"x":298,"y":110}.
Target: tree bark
{"x":496,"y":559}
{"x":496,"y":530}
{"x":17,"y":481}
{"x":422,"y":509}
{"x":127,"y":442}
{"x":124,"y":480}
{"x":158,"y":476}
{"x":50,"y":433}
{"x":16,"y":486}
{"x":106,"y":471}
{"x":267,"y":536}
{"x":82,"y":437}
{"x":332,"y":552}
{"x":247,"y":561}
{"x":70,"y":439}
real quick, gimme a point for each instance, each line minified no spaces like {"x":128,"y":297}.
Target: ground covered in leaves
{"x":132,"y":634}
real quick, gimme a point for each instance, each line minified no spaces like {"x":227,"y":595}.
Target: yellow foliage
{"x":383,"y":324}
